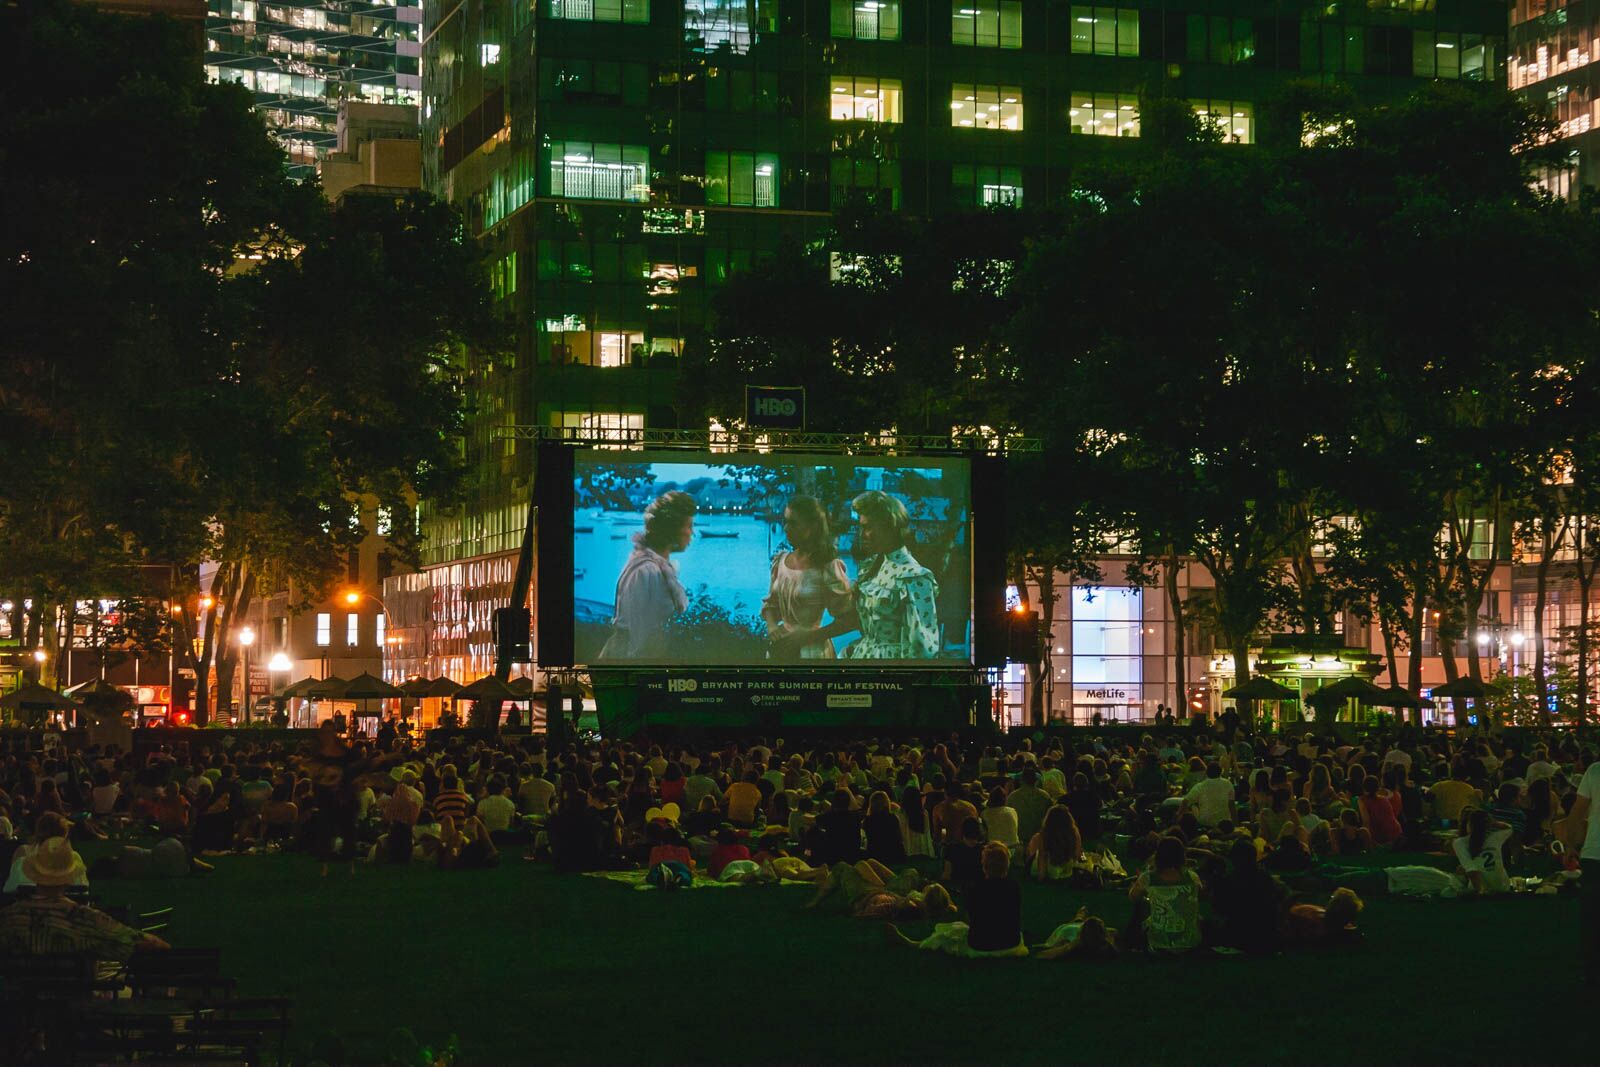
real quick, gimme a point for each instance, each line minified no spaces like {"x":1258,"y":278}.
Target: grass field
{"x":519,"y":965}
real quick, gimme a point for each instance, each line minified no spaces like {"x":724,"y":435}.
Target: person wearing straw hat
{"x":49,"y":924}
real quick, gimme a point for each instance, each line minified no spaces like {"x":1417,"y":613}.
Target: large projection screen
{"x":686,"y":559}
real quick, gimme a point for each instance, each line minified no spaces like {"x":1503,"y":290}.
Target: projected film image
{"x":698,"y":559}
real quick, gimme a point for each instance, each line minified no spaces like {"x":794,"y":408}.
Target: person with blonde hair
{"x":648,"y":590}
{"x":894,"y":604}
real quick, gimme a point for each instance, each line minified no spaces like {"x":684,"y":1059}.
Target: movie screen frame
{"x":761,"y":601}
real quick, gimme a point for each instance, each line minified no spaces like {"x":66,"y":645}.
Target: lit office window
{"x":986,"y":23}
{"x":865,"y":20}
{"x":635,"y":11}
{"x":1105,"y":114}
{"x":1235,"y":119}
{"x":742,"y":179}
{"x":1105,"y":31}
{"x":618,"y":349}
{"x":1107,"y":653}
{"x":731,"y":24}
{"x":865,"y":99}
{"x":1438,"y":55}
{"x":352,"y":629}
{"x":324,"y":629}
{"x":587,"y":171}
{"x":984,"y":186}
{"x":986,"y":107}
{"x":380,"y":633}
{"x":610,"y":426}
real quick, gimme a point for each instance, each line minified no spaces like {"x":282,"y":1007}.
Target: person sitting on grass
{"x":1167,"y":900}
{"x":1311,"y":925}
{"x":670,"y":866}
{"x":963,"y":859}
{"x":1086,"y":937}
{"x":1480,"y":852}
{"x":1377,"y":813}
{"x":730,"y":849}
{"x":48,"y":923}
{"x":1247,"y":901}
{"x":1349,"y":837}
{"x":994,"y":916}
{"x":465,"y":845}
{"x":1056,"y":850}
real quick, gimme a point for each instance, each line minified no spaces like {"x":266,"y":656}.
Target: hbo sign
{"x":775,"y":407}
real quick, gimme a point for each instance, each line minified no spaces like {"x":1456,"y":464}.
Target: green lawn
{"x":522,"y":966}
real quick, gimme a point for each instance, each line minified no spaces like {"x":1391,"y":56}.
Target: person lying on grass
{"x":1086,"y":937}
{"x":1315,"y":925}
{"x":994,"y":916}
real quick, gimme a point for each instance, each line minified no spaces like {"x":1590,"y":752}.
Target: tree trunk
{"x":1547,"y":549}
{"x":1386,"y":629}
{"x":1585,"y":581}
{"x":1041,"y":668}
{"x":1180,"y":664}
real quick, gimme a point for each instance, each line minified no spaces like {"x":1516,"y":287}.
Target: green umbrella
{"x":415,"y":687}
{"x":366,"y":686}
{"x":1396,"y":697}
{"x":486,"y":688}
{"x":327,"y":689}
{"x":300,"y":689}
{"x":442,"y":687}
{"x":1262,"y":688}
{"x":522,"y":686}
{"x":1461,"y":687}
{"x":100,"y":693}
{"x":1354,"y":688}
{"x":34,"y":697}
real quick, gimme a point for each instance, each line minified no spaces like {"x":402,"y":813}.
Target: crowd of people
{"x":896,"y":830}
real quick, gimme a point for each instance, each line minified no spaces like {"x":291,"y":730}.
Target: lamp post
{"x":246,"y":638}
{"x":354,"y":597}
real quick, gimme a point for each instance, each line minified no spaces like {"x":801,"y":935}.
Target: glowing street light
{"x":279,"y":663}
{"x":40,"y":655}
{"x":1518,"y":638}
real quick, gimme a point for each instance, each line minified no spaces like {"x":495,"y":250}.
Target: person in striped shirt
{"x":451,"y":800}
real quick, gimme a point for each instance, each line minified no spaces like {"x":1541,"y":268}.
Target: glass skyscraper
{"x":1555,"y":65}
{"x":301,"y":59}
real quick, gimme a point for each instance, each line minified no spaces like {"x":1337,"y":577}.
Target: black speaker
{"x":553,"y":495}
{"x":513,"y":634}
{"x":990,"y":625}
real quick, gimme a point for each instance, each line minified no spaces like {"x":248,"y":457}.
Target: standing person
{"x":1583,"y":828}
{"x":648,"y":590}
{"x":806,"y":581}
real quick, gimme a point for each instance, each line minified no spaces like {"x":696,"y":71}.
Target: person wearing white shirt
{"x":1583,"y":828}
{"x":1211,"y":799}
{"x":1398,"y":755}
{"x":1479,"y":851}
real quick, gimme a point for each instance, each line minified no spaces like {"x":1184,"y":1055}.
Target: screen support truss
{"x":773,"y":440}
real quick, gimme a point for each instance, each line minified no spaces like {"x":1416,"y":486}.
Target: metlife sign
{"x":775,"y":407}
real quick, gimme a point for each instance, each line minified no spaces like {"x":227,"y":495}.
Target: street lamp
{"x":353,"y":597}
{"x":246,"y":637}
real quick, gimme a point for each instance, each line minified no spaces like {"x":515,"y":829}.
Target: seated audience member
{"x":1349,"y":837}
{"x":48,"y":923}
{"x":836,"y":835}
{"x":46,"y":827}
{"x":1450,"y":795}
{"x":885,"y":835}
{"x":1055,"y":852}
{"x":1310,"y":925}
{"x":1480,"y":852}
{"x":1378,"y":814}
{"x":914,"y":824}
{"x":963,"y":859}
{"x":730,"y":848}
{"x":1000,"y":820}
{"x":497,"y":810}
{"x":1169,"y":893}
{"x":994,"y":915}
{"x":1210,"y":800}
{"x":744,"y":799}
{"x":1247,"y":901}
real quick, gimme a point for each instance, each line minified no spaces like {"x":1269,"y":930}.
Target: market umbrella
{"x":522,"y":686}
{"x":442,"y":687}
{"x":1396,"y":697}
{"x":1262,"y":688}
{"x":415,"y":687}
{"x":33,"y":696}
{"x":1461,"y":687}
{"x":36,"y":701}
{"x":367,"y":686}
{"x":1354,"y":688}
{"x":100,"y":693}
{"x":486,"y":688}
{"x":301,"y":689}
{"x":327,"y":689}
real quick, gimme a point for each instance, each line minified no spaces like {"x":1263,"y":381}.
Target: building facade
{"x":302,"y":59}
{"x":1554,"y":46}
{"x":621,"y":159}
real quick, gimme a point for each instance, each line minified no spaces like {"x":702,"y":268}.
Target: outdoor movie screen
{"x":700,"y":559}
